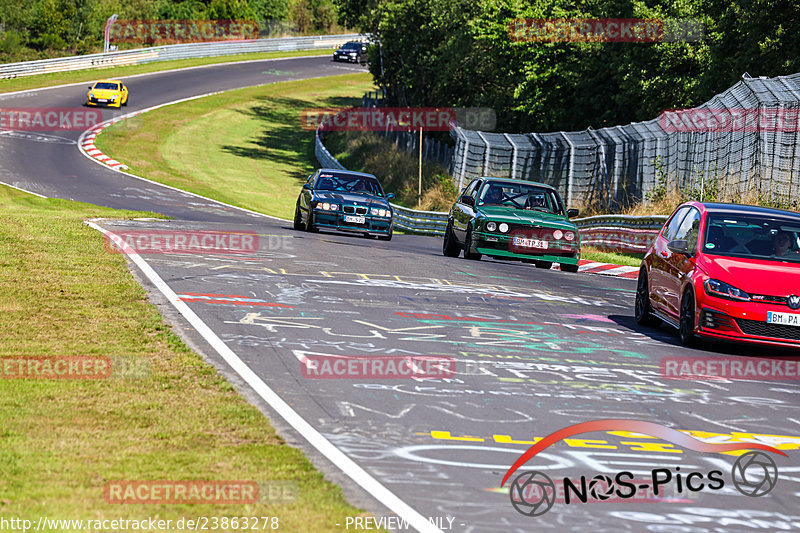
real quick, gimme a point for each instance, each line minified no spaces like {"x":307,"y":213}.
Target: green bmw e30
{"x":513,"y":219}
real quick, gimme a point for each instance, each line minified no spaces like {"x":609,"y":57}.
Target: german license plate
{"x":354,"y":219}
{"x":785,"y":319}
{"x":529,"y":243}
{"x":104,"y":100}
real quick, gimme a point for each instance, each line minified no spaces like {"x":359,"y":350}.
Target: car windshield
{"x":521,"y":196}
{"x":106,"y":86}
{"x":348,"y":183}
{"x":753,"y":236}
{"x":354,"y":46}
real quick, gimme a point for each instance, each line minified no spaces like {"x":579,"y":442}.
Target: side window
{"x":672,"y":228}
{"x":689,"y":228}
{"x":472,"y":189}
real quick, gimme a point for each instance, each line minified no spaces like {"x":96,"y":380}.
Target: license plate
{"x":785,"y":319}
{"x":529,"y":243}
{"x":354,"y":219}
{"x":102,"y":100}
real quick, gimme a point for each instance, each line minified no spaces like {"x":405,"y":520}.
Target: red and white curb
{"x":86,"y":143}
{"x":607,"y":269}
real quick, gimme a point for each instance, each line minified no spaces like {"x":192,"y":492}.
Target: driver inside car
{"x":535,"y":201}
{"x":494,"y":195}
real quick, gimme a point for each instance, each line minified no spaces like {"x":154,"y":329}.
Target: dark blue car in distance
{"x":344,"y":200}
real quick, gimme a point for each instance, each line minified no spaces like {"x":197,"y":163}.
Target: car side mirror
{"x":90,"y":87}
{"x":468,"y":200}
{"x":572,"y":213}
{"x":679,"y":247}
{"x":307,"y":186}
{"x":390,"y":196}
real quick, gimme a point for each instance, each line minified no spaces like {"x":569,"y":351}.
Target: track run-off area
{"x":530,"y":352}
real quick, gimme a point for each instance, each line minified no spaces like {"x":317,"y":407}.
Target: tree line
{"x":462,"y":53}
{"x":37,"y":29}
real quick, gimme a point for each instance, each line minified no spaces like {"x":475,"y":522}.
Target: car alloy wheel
{"x":450,"y":246}
{"x":298,"y":218}
{"x":642,"y":312}
{"x":468,"y":253}
{"x":686,"y":330}
{"x":310,"y":222}
{"x":543,"y":264}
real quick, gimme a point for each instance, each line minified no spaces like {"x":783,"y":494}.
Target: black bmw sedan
{"x":344,"y":200}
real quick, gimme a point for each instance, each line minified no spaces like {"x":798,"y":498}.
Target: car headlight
{"x":503,"y":227}
{"x":91,"y":95}
{"x":328,"y":206}
{"x":715,"y":287}
{"x":557,"y":234}
{"x":379,"y":212}
{"x":491,"y":226}
{"x":570,"y":236}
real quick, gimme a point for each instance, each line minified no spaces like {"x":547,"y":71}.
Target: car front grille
{"x":353,"y":209}
{"x":775,"y":331}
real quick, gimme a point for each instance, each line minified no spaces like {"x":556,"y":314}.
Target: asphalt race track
{"x":533,"y":351}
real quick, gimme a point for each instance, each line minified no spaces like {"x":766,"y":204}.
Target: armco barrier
{"x":620,"y":233}
{"x":427,"y":222}
{"x":173,"y":51}
{"x":615,"y":233}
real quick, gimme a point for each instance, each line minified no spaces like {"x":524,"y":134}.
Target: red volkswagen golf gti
{"x":724,"y":271}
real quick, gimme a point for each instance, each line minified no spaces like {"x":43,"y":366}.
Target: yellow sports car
{"x":112,"y":93}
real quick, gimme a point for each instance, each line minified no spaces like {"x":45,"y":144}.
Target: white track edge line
{"x":23,"y":190}
{"x":314,"y":437}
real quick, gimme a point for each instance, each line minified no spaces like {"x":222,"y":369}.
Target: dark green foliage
{"x":460,"y":53}
{"x":37,"y":29}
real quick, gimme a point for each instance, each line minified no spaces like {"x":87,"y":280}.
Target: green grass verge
{"x":64,"y":294}
{"x":244,"y":147}
{"x":593,"y":254}
{"x":90,"y":75}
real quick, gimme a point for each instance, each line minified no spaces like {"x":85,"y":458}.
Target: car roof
{"x":340,"y":171}
{"x":515,"y":182}
{"x":108,"y":81}
{"x":740,"y":209}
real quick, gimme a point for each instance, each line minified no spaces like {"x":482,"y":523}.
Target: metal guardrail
{"x":607,"y":232}
{"x":620,"y":233}
{"x":426,"y":222}
{"x":171,"y":52}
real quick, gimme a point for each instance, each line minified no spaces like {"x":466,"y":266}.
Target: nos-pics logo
{"x":533,"y":493}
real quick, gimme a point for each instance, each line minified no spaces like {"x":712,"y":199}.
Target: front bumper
{"x":335,"y":220}
{"x":744,"y":322}
{"x":499,"y":245}
{"x":96,"y":103}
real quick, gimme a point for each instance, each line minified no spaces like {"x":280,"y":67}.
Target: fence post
{"x":571,"y":172}
{"x":513,"y":156}
{"x":603,"y":167}
{"x":485,"y":154}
